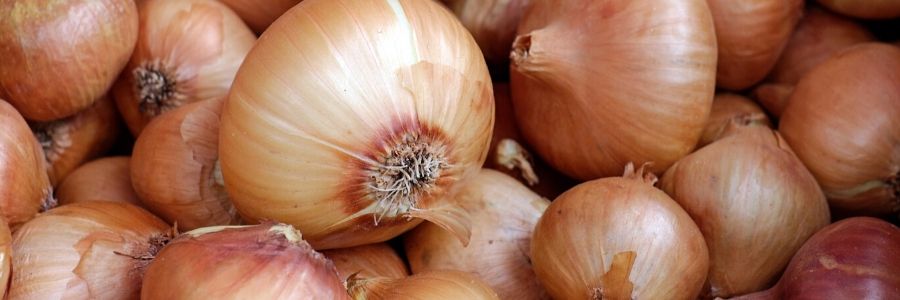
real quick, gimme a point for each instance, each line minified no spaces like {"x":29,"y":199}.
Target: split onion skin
{"x":61,"y":56}
{"x":104,"y":179}
{"x":842,"y":122}
{"x":24,"y":185}
{"x":586,"y":76}
{"x":435,"y":285}
{"x":258,"y":15}
{"x":324,"y":104}
{"x":727,"y":106}
{"x":866,"y":9}
{"x":368,"y":261}
{"x":492,"y":24}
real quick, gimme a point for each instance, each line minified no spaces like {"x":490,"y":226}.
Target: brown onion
{"x":259,"y":15}
{"x":597,"y":84}
{"x":61,"y":56}
{"x":726,"y":107}
{"x":437,"y":285}
{"x":774,"y":96}
{"x":175,"y":169}
{"x":866,"y":9}
{"x":90,"y":250}
{"x":842,"y":122}
{"x":754,"y":202}
{"x":855,"y":258}
{"x":187,"y":51}
{"x":368,"y":261}
{"x":24,"y":188}
{"x":353,"y":119}
{"x":104,"y":179}
{"x":619,"y":238}
{"x":492,"y":24}
{"x":503,"y":213}
{"x":268,"y":261}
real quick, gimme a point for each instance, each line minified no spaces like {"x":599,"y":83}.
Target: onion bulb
{"x":619,"y":238}
{"x":90,"y":250}
{"x":104,"y":179}
{"x":187,"y":51}
{"x":175,"y":169}
{"x":25,"y":188}
{"x":754,"y":202}
{"x":368,"y":261}
{"x":842,"y":122}
{"x":587,"y":76}
{"x":503,"y":213}
{"x":353,"y":119}
{"x":725,"y":108}
{"x":751,"y":35}
{"x":492,"y":24}
{"x":438,"y":285}
{"x":267,"y":261}
{"x":855,"y":258}
{"x":773,"y":96}
{"x":866,"y":9}
{"x":260,"y":15}
{"x":61,"y":56}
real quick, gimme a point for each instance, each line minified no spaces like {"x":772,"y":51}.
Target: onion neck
{"x":511,"y":155}
{"x":157,"y":88}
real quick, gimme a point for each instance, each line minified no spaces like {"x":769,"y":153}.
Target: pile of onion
{"x":866,"y":9}
{"x":352,"y":120}
{"x":725,"y":108}
{"x":492,"y":24}
{"x":25,"y":188}
{"x":259,"y":16}
{"x":598,"y":84}
{"x":436,"y":285}
{"x":104,"y":179}
{"x":368,"y":261}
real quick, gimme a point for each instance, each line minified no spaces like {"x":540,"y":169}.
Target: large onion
{"x":598,"y":84}
{"x":492,"y":23}
{"x":25,"y":187}
{"x":353,"y":119}
{"x":868,"y":9}
{"x":438,"y":285}
{"x":368,"y":261}
{"x":259,"y":15}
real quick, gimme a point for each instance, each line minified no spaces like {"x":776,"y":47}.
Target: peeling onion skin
{"x":586,"y":75}
{"x":61,"y":56}
{"x":267,"y":261}
{"x":855,"y":258}
{"x":104,"y":179}
{"x":381,"y":82}
{"x":492,"y":24}
{"x":368,"y":261}
{"x":24,"y":185}
{"x":434,"y":285}
{"x":727,"y":106}
{"x":842,"y":122}
{"x":258,"y":15}
{"x":866,"y":9}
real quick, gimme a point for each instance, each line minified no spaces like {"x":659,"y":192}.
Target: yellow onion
{"x":773,"y":96}
{"x":842,"y":122}
{"x":104,"y":179}
{"x":619,"y":238}
{"x":754,"y":202}
{"x":353,"y":119}
{"x":492,"y":24}
{"x":90,"y":250}
{"x":503,"y":213}
{"x":175,"y":170}
{"x":727,"y":106}
{"x":259,"y":15}
{"x":367,"y":261}
{"x":751,"y":35}
{"x":70,"y":142}
{"x":267,"y":261}
{"x":24,"y":188}
{"x":61,"y":56}
{"x":5,"y":257}
{"x":598,"y":84}
{"x":187,"y":51}
{"x":437,"y":285}
{"x":866,"y":9}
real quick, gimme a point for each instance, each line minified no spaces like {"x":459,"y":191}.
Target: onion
{"x":773,"y":96}
{"x":25,"y":188}
{"x":726,"y":107}
{"x":105,"y":179}
{"x":866,"y":9}
{"x":856,"y":258}
{"x":268,"y":261}
{"x":436,"y":285}
{"x":751,"y":35}
{"x":619,"y":238}
{"x":90,"y":250}
{"x":585,"y":104}
{"x":842,"y":122}
{"x":61,"y":56}
{"x":5,"y":258}
{"x":492,"y":24}
{"x":260,"y":15}
{"x":367,"y":261}
{"x":353,"y":119}
{"x":754,"y":202}
{"x":504,"y":213}
{"x":187,"y":51}
{"x":174,"y":167}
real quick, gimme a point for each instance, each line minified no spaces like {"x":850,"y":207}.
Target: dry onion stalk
{"x":104,"y":179}
{"x":436,"y":285}
{"x":367,"y":261}
{"x":725,"y":108}
{"x":492,"y":23}
{"x":25,"y":188}
{"x":348,"y":121}
{"x":260,"y":15}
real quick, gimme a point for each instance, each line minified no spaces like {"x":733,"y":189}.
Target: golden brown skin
{"x":24,"y":184}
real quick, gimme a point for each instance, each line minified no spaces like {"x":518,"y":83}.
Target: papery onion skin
{"x":587,"y":76}
{"x":368,"y":261}
{"x":842,"y":122}
{"x":259,"y":16}
{"x":84,"y":250}
{"x":382,"y":82}
{"x":492,"y":24}
{"x":855,"y":258}
{"x":751,"y":35}
{"x":503,"y":213}
{"x":267,"y":261}
{"x":578,"y":241}
{"x":727,"y":106}
{"x":61,"y":56}
{"x":174,"y":167}
{"x":754,"y":202}
{"x":187,"y":51}
{"x":104,"y":179}
{"x":24,"y":186}
{"x":866,"y":9}
{"x":435,"y":285}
